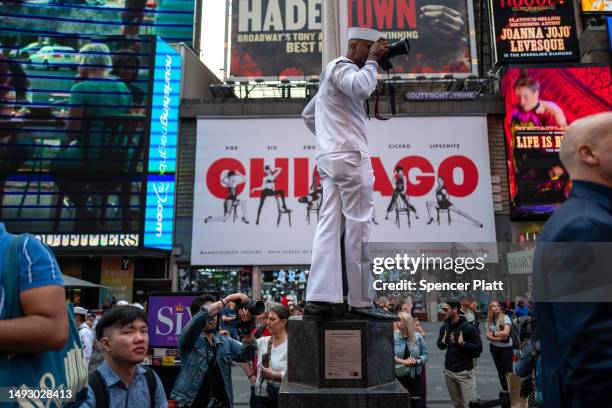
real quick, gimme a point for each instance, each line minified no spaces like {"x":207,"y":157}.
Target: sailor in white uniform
{"x":337,"y":117}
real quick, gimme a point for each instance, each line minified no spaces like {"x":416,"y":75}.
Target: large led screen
{"x":169,"y":19}
{"x":73,"y":136}
{"x":540,"y":104}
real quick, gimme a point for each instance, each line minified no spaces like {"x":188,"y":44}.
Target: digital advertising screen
{"x":441,"y":34}
{"x":540,"y":104}
{"x":596,"y":6}
{"x":276,"y":39}
{"x":169,"y":19}
{"x":528,"y":31}
{"x":74,"y":140}
{"x":163,"y":142}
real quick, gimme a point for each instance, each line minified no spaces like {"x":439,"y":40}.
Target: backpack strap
{"x":98,"y":386}
{"x":151,"y":384}
{"x":10,"y":278}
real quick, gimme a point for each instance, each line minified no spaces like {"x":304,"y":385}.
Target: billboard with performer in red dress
{"x":540,"y":104}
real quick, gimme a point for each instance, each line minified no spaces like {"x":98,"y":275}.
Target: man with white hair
{"x":337,"y":117}
{"x":85,"y":333}
{"x":575,"y":336}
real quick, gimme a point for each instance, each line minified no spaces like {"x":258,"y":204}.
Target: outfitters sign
{"x":276,"y":38}
{"x":540,"y":104}
{"x":253,"y":182}
{"x":534,"y":30}
{"x":441,"y":34}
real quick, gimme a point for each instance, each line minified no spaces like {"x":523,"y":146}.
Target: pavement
{"x":487,"y":382}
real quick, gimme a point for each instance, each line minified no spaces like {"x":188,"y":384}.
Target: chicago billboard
{"x":432,"y":184}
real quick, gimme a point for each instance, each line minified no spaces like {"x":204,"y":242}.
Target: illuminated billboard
{"x":75,"y":140}
{"x":530,"y":31}
{"x":169,"y":19}
{"x":596,"y":6}
{"x":540,"y":104}
{"x":161,"y":168}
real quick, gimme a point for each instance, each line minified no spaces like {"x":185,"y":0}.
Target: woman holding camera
{"x":271,"y":359}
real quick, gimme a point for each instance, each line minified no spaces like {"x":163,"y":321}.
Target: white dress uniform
{"x":336,"y":116}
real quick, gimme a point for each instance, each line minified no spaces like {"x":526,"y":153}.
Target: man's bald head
{"x":586,"y":149}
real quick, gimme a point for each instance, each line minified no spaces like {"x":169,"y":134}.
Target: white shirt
{"x":87,"y":338}
{"x":278,"y":361}
{"x":336,"y":114}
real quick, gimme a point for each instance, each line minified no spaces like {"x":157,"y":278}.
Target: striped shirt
{"x":37,"y":265}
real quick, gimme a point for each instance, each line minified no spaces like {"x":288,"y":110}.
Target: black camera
{"x":402,"y":47}
{"x":254,"y":307}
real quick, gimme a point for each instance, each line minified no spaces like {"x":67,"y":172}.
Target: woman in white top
{"x":498,"y":333}
{"x":269,"y":375}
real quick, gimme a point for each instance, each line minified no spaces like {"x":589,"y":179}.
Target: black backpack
{"x":98,"y":386}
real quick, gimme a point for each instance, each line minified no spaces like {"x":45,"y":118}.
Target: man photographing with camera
{"x":205,"y":379}
{"x":337,"y":117}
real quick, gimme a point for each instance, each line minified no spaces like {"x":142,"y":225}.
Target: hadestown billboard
{"x":257,"y":192}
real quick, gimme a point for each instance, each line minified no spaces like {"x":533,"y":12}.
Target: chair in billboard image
{"x":401,"y":207}
{"x":314,"y":207}
{"x":282,"y":211}
{"x":111,"y":151}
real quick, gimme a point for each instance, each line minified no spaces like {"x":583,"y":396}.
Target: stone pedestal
{"x":341,"y":363}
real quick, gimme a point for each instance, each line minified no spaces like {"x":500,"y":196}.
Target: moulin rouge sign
{"x":534,"y":30}
{"x":421,"y":181}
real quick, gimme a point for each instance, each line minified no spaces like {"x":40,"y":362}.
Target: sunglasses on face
{"x":445,"y":309}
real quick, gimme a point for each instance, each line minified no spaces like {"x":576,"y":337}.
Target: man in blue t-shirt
{"x":44,"y":325}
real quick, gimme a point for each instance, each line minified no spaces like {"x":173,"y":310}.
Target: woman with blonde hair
{"x":498,"y":333}
{"x":410,"y":357}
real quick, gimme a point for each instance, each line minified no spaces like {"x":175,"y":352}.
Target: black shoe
{"x":324,"y":309}
{"x":245,"y":220}
{"x":373,"y":312}
{"x":430,"y":220}
{"x":207,"y":219}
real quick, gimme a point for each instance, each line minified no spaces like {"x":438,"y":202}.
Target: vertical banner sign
{"x":534,"y":30}
{"x":441,"y":34}
{"x":158,"y":226}
{"x":540,"y":104}
{"x":167,"y":315}
{"x":117,"y":279}
{"x":274,"y":39}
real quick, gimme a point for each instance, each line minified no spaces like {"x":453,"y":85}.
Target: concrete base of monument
{"x":348,"y":353}
{"x":391,"y":395}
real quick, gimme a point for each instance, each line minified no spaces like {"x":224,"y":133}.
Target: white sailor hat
{"x":123,"y":303}
{"x":80,"y":310}
{"x":368,"y":34}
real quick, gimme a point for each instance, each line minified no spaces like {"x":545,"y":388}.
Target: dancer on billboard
{"x":268,"y":190}
{"x":531,"y":110}
{"x":337,"y":118}
{"x":400,"y":191}
{"x":443,"y":203}
{"x":231,"y":179}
